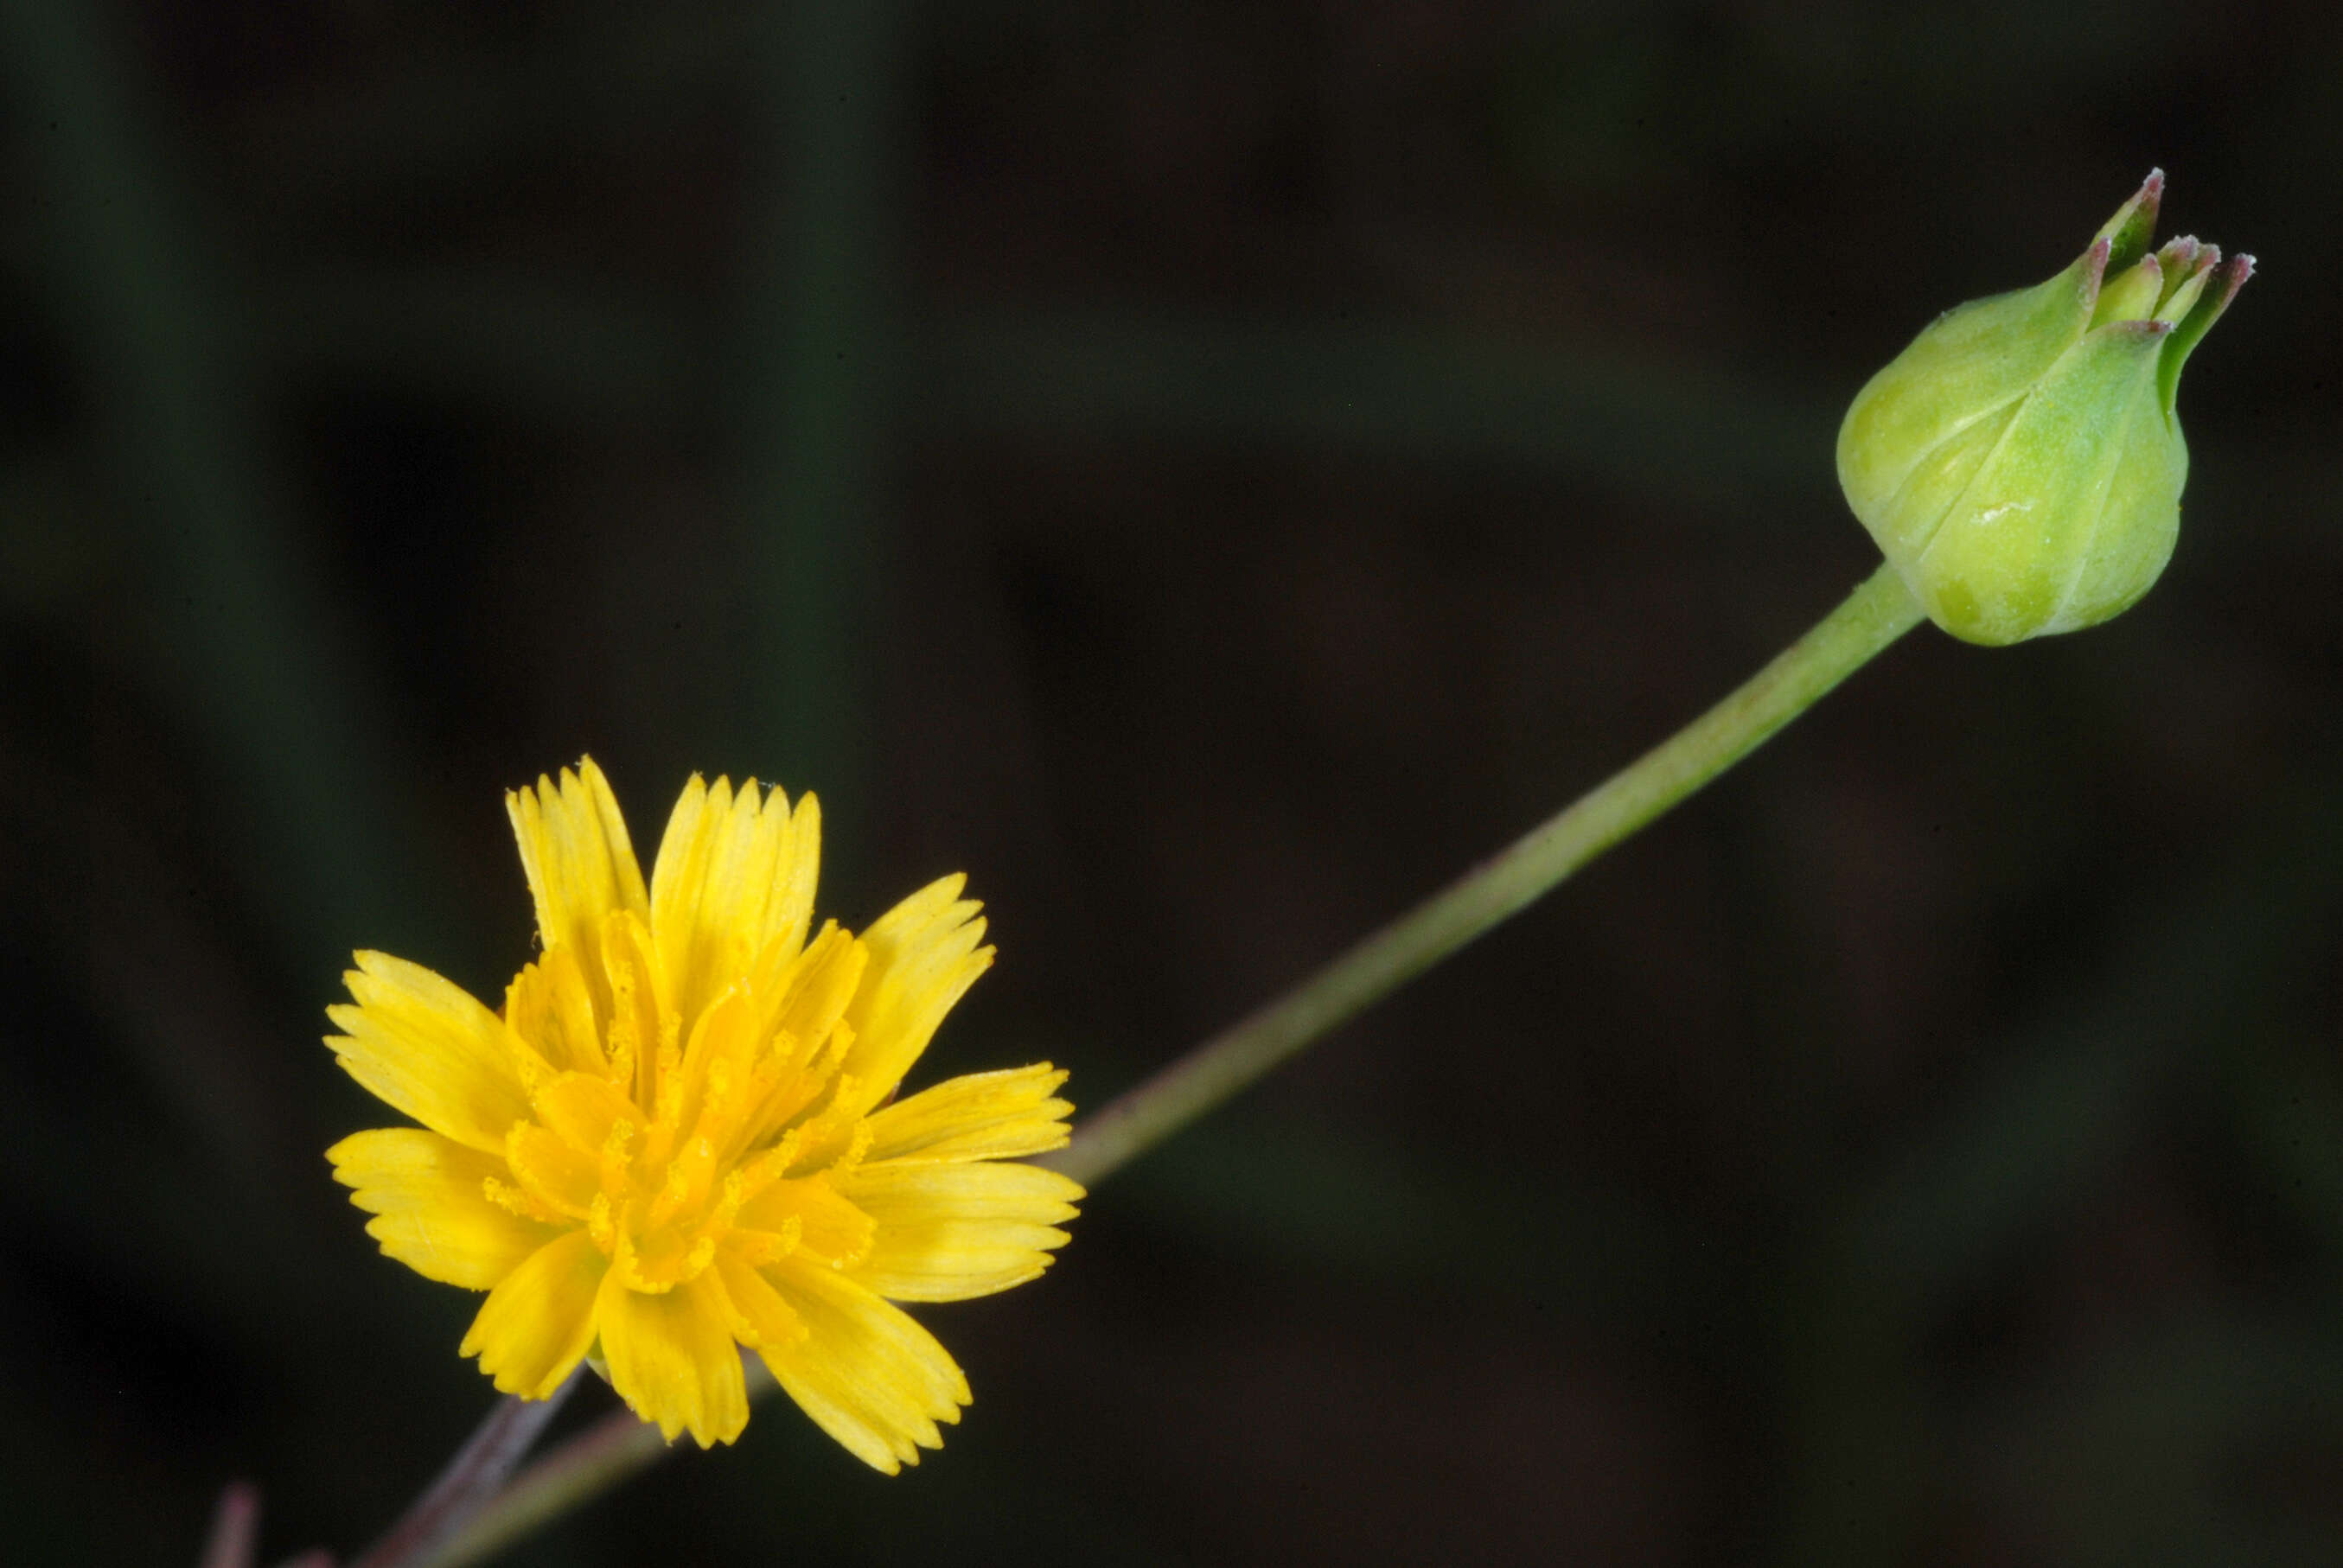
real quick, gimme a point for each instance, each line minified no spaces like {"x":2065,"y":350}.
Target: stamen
{"x":858,"y":1144}
{"x":670,"y":1052}
{"x":721,"y":1081}
{"x":613,"y":1157}
{"x":677,"y":1188}
{"x":727,"y":1204}
{"x":626,"y":1030}
{"x":757,"y":1248}
{"x":762,"y":1169}
{"x":667,"y":1081}
{"x":840,"y":1039}
{"x":514,"y":1200}
{"x":830,"y":1141}
{"x":599,"y":1226}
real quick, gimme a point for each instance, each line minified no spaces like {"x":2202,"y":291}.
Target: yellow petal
{"x":431,"y":1206}
{"x":950,"y":1231}
{"x":428,"y":1049}
{"x":867,"y":1374}
{"x":735,"y":874}
{"x":810,"y":994}
{"x":579,"y":863}
{"x":834,"y":1231}
{"x":923,"y":957}
{"x":760,"y":1314}
{"x":672,"y":1358}
{"x":642,"y":1029}
{"x":801,"y":1004}
{"x":582,"y":1107}
{"x":549,"y":1005}
{"x":562,"y":1179}
{"x":534,"y":1328}
{"x":981,"y":1116}
{"x":721,"y":1055}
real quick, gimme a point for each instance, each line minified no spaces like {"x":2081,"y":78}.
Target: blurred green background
{"x":1210,"y":471}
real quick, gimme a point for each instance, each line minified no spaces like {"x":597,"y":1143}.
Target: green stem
{"x":473,"y":1478}
{"x":1872,"y":616}
{"x":590,"y":1462}
{"x":595,"y":1459}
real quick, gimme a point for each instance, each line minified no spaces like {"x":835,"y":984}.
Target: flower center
{"x":667,"y":1146}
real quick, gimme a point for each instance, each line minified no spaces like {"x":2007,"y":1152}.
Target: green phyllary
{"x":2020,"y":464}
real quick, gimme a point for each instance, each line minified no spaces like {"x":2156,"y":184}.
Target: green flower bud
{"x":2020,"y":464}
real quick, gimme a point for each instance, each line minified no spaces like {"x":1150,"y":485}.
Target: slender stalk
{"x":472,"y":1479}
{"x":236,"y":1528}
{"x":595,"y":1459}
{"x":1872,"y":616}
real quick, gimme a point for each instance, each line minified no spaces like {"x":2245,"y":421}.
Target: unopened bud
{"x":2020,"y":464}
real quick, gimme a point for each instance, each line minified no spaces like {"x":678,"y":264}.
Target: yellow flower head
{"x":681,"y":1137}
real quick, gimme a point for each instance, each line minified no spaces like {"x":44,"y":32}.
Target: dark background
{"x":1210,"y":471}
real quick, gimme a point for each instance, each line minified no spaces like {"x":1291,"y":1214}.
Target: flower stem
{"x":472,"y":1479}
{"x":1872,"y":618}
{"x":236,"y":1528}
{"x":595,"y":1458}
{"x":602,"y":1455}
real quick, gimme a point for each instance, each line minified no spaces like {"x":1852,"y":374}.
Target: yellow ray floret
{"x":681,"y":1139}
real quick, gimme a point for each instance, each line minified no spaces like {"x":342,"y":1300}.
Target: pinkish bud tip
{"x":2227,"y":279}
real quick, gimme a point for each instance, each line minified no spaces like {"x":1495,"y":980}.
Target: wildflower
{"x":680,"y":1136}
{"x":2020,"y":464}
